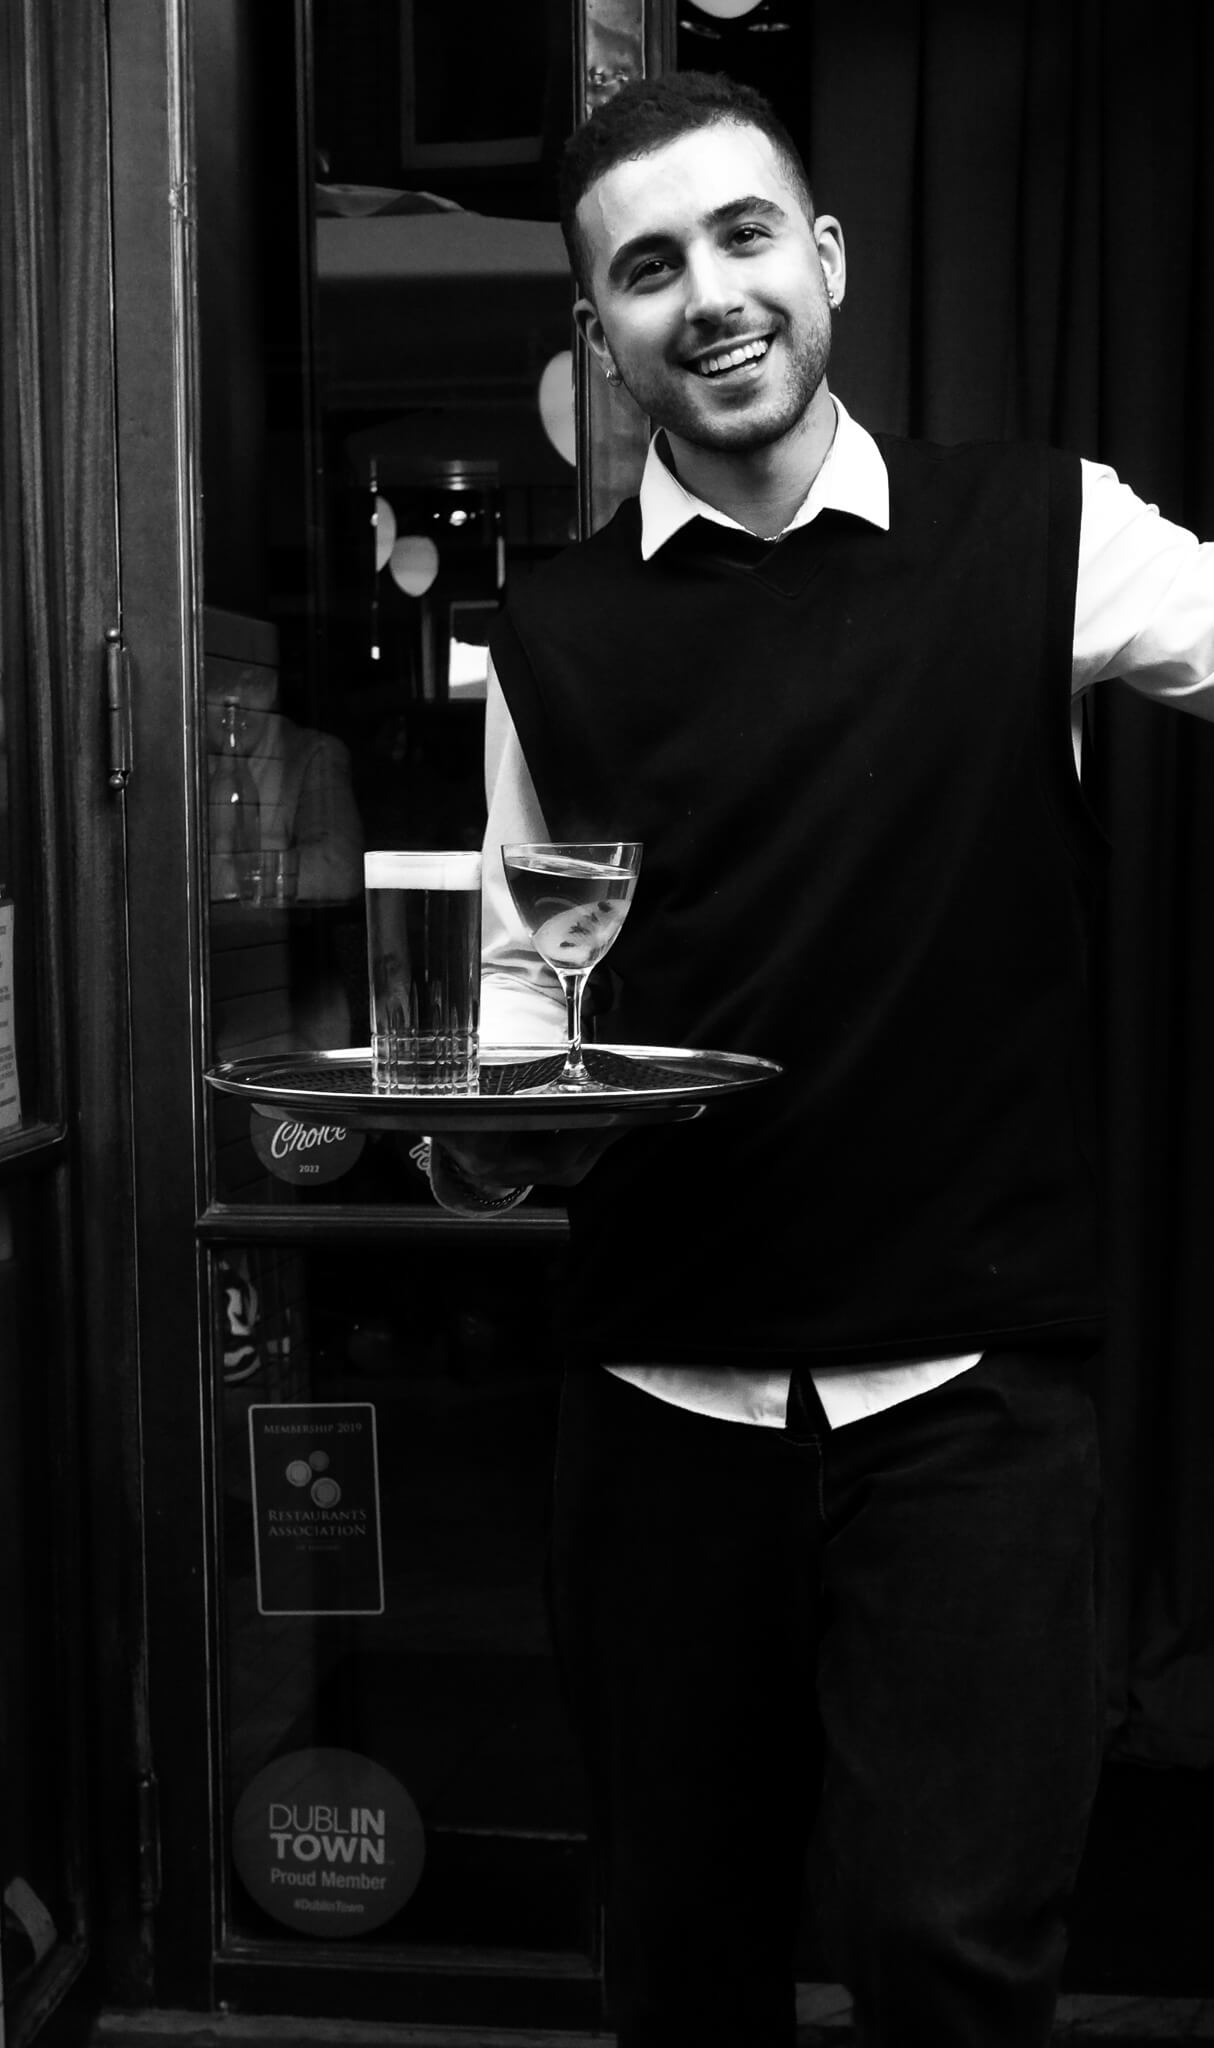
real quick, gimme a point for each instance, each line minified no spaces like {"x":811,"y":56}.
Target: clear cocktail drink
{"x":572,"y":897}
{"x":572,"y":908}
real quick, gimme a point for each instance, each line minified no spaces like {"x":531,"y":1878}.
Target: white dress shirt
{"x":1144,"y":611}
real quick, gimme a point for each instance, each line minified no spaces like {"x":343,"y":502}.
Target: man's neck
{"x":762,"y":488}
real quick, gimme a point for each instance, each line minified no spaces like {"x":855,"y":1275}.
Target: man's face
{"x":254,"y":718}
{"x":708,"y":287}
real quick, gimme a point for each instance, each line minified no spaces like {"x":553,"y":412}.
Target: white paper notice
{"x":10,"y":1089}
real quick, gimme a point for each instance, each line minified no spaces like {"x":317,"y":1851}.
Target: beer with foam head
{"x":424,"y":968}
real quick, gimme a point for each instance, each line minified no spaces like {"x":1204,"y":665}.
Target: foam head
{"x":393,"y":870}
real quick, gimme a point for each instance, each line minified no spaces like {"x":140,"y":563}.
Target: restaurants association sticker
{"x":304,"y":1150}
{"x":316,"y":1523}
{"x":328,"y":1842}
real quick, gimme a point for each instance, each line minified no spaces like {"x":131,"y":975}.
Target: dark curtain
{"x":1027,"y":194}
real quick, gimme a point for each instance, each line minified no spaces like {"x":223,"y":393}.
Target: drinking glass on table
{"x":572,"y":896}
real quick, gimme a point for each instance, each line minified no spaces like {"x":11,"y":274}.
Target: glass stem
{"x":573,"y":986}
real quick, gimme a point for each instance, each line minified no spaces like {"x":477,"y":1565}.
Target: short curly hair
{"x":648,"y":113}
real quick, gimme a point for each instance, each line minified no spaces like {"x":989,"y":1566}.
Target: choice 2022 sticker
{"x":303,"y":1150}
{"x":328,"y":1842}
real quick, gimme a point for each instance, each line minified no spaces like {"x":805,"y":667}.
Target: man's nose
{"x":712,"y":290}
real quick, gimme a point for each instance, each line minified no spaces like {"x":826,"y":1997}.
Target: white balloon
{"x":385,"y":533}
{"x":556,"y":405}
{"x":727,"y":10}
{"x":413,"y":564}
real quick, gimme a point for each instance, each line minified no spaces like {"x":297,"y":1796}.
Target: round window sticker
{"x":303,"y":1150}
{"x":328,"y":1842}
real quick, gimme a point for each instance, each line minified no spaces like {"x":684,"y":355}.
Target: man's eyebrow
{"x":753,"y":202}
{"x":733,"y":209}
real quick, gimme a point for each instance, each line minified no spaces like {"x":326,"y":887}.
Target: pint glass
{"x":424,"y":968}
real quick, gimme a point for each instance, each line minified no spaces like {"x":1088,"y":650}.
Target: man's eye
{"x":747,"y":233}
{"x":645,"y":272}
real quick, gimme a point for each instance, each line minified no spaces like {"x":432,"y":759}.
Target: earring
{"x":833,"y":302}
{"x":611,"y":373}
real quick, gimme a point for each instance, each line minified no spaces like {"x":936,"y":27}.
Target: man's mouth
{"x":725,"y":359}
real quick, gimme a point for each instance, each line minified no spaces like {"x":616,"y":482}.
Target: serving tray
{"x":641,"y":1084}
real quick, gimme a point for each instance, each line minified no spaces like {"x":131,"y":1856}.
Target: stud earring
{"x":611,"y":373}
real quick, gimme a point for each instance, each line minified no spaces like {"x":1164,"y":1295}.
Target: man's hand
{"x":518,"y":1158}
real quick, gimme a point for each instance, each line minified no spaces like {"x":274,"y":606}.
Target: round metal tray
{"x":641,"y":1084}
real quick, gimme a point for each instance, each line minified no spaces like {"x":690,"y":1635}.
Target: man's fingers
{"x":555,"y":1159}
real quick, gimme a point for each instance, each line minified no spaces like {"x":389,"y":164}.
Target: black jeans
{"x":883,"y":1637}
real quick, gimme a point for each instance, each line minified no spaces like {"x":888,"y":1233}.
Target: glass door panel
{"x":383,"y":1379}
{"x":387,"y":1429}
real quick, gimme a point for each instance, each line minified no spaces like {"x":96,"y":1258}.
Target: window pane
{"x":377,"y":476}
{"x":387,"y":1429}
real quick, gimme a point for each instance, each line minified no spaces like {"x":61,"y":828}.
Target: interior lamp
{"x":556,"y":405}
{"x":413,"y":564}
{"x":383,"y":518}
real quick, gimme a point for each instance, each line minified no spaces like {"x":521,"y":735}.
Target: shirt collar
{"x":853,"y":479}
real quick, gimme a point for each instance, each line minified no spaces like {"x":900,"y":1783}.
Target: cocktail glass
{"x":572,"y":896}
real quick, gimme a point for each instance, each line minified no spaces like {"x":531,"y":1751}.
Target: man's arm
{"x":521,"y":1000}
{"x":1144,"y":603}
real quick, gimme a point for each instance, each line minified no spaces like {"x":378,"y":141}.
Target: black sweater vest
{"x":866,"y":856}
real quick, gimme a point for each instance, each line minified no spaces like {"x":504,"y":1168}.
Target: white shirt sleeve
{"x":521,"y":1000}
{"x":1144,"y":602}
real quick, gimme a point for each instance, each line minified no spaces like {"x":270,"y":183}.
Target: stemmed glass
{"x":572,"y":896}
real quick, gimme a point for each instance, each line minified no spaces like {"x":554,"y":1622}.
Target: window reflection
{"x":443,"y":305}
{"x":402,"y":453}
{"x":301,"y":789}
{"x":287,"y":960}
{"x":19,"y":915}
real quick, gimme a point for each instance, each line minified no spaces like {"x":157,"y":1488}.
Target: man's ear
{"x":590,"y":327}
{"x":831,"y":254}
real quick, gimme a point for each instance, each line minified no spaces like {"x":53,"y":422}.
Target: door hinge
{"x":118,"y":707}
{"x":148,"y":1804}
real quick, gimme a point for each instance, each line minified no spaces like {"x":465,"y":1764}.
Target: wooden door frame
{"x":75,"y":1155}
{"x":159,"y":510}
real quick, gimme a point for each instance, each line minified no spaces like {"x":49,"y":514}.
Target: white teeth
{"x":749,"y":352}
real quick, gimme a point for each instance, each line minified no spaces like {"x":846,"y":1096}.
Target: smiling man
{"x":709,"y":292}
{"x":823,"y":1548}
